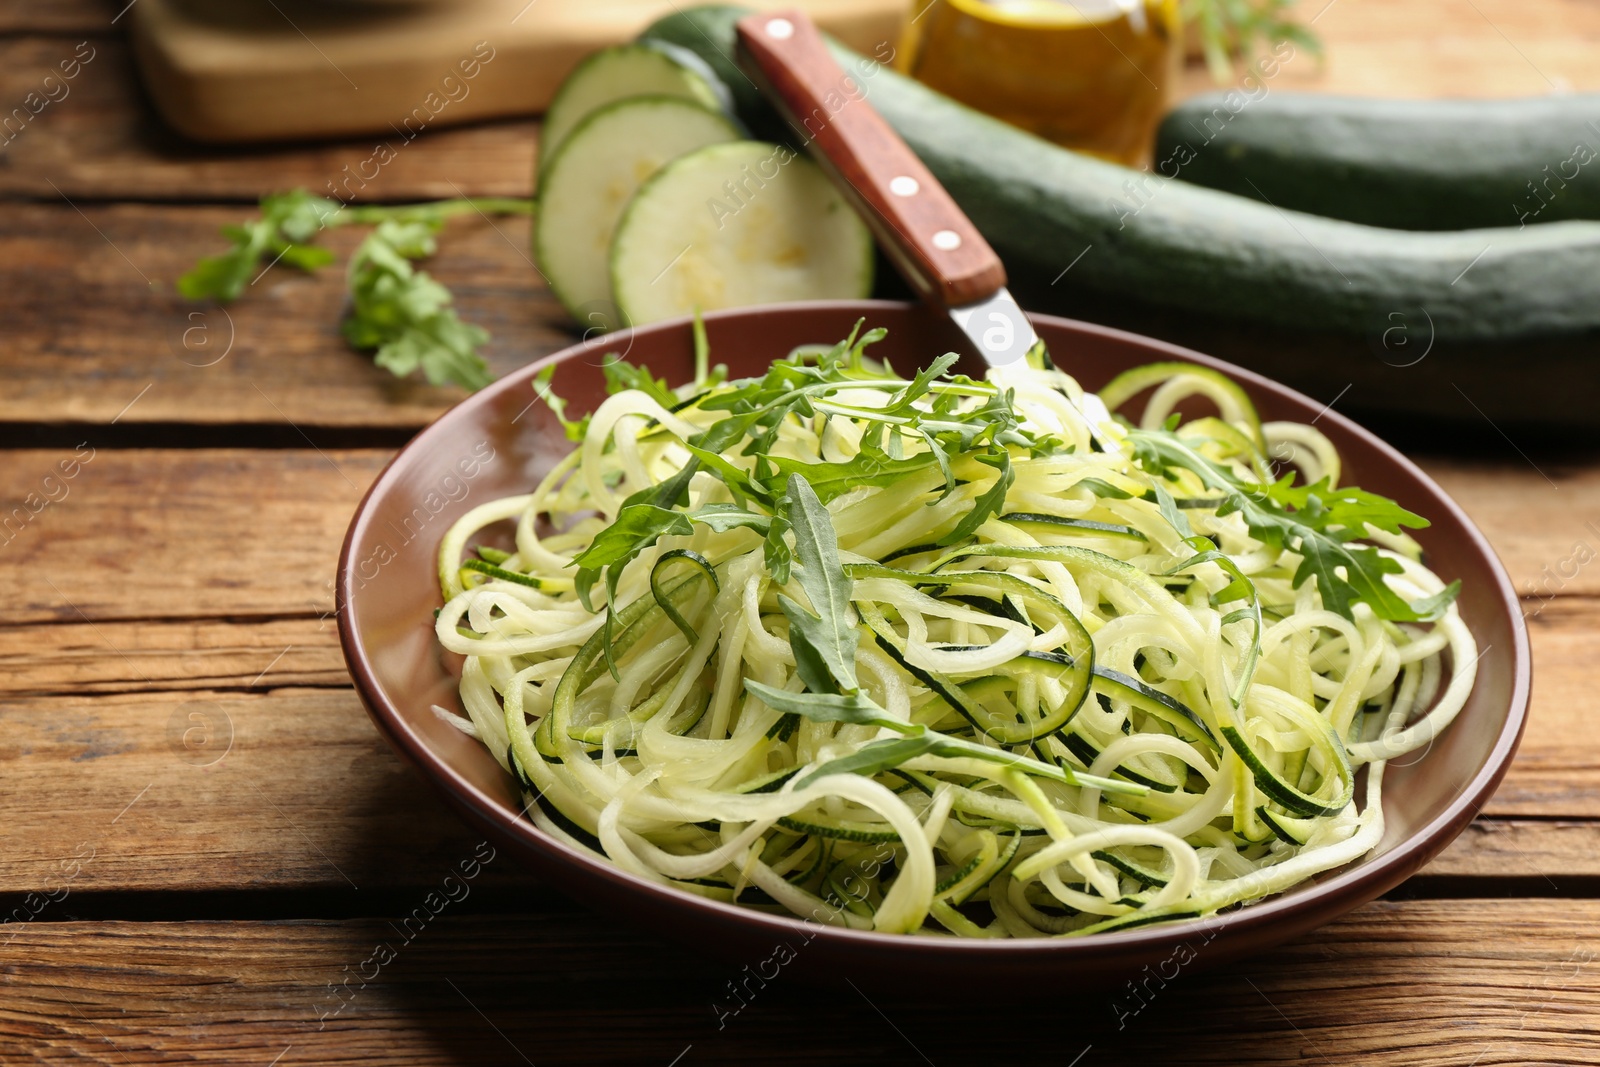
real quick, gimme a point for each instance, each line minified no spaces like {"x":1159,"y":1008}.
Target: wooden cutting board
{"x":258,"y":70}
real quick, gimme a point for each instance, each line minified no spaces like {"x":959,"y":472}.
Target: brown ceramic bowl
{"x":498,"y":443}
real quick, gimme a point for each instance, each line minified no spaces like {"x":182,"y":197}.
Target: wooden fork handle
{"x":937,"y":248}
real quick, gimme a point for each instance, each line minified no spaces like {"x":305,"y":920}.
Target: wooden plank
{"x":287,"y":361}
{"x":1563,"y":854}
{"x":271,"y":550}
{"x":1481,"y":48}
{"x":1554,"y":772}
{"x":168,"y":534}
{"x":196,"y":788}
{"x":201,"y":790}
{"x":1541,"y":514}
{"x":67,"y":658}
{"x":274,"y":356}
{"x":209,"y":549}
{"x":98,"y":140}
{"x":104,"y":142}
{"x":1415,"y":984}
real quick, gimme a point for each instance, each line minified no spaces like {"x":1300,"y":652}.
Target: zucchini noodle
{"x":932,"y":655}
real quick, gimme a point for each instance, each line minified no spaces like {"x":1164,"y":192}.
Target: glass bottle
{"x":1093,"y":75}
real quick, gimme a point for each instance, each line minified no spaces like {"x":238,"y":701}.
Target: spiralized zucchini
{"x":932,"y":655}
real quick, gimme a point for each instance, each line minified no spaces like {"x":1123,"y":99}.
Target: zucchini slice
{"x":612,"y":74}
{"x":737,"y":224}
{"x":589,"y":182}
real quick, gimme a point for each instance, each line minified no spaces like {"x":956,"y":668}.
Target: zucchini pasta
{"x":931,"y":655}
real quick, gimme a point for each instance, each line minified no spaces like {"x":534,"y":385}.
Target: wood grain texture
{"x":242,"y":71}
{"x":288,"y":362}
{"x":138,"y":573}
{"x":76,"y":659}
{"x":203,"y":790}
{"x":197,"y":791}
{"x":272,"y":550}
{"x":1541,"y":515}
{"x":232,"y":786}
{"x":1432,"y":48}
{"x":1563,"y":854}
{"x":1556,"y":766}
{"x":104,"y":142}
{"x":274,"y":356}
{"x":163,"y":534}
{"x":202,"y":578}
{"x":1413,"y":984}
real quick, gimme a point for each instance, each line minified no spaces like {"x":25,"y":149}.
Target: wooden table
{"x":204,"y":839}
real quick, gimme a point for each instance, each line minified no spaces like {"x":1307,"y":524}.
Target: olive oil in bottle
{"x":1087,"y":74}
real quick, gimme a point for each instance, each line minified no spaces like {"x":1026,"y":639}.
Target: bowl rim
{"x":1343,"y":889}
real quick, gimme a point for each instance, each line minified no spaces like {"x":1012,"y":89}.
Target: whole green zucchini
{"x":1074,"y":230}
{"x":1407,"y":164}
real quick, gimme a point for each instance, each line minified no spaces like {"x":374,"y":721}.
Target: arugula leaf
{"x":875,"y":758}
{"x":856,"y":708}
{"x":916,"y":740}
{"x":823,"y":639}
{"x":672,"y":493}
{"x":1348,"y":507}
{"x":1316,"y":522}
{"x":575,"y":431}
{"x":1431,"y":607}
{"x":1302,"y":521}
{"x":932,"y":409}
{"x":638,"y":526}
{"x":921,"y":384}
{"x":621,"y":375}
{"x":725,"y":517}
{"x":824,"y":645}
{"x":988,"y":504}
{"x":832,"y":480}
{"x":1102,"y":488}
{"x":941,"y":456}
{"x":708,"y":447}
{"x":776,"y":553}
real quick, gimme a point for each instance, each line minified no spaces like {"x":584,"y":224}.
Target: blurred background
{"x":215,"y":104}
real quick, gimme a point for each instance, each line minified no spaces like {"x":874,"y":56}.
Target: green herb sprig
{"x":396,"y":310}
{"x":288,"y":223}
{"x":1317,"y":522}
{"x":1238,"y":27}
